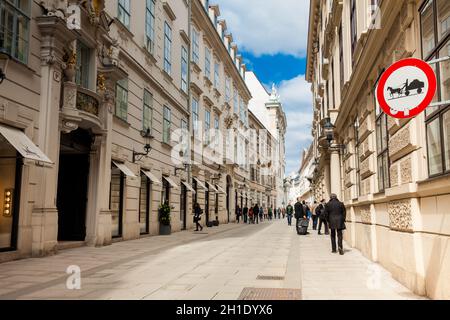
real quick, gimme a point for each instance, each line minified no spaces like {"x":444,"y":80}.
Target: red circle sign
{"x":407,"y":88}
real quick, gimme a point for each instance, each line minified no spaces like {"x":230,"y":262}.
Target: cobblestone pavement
{"x":223,"y":263}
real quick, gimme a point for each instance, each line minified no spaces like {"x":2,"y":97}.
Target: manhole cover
{"x":270,"y":278}
{"x":270,"y":294}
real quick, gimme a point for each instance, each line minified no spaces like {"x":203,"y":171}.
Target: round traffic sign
{"x":406,"y":88}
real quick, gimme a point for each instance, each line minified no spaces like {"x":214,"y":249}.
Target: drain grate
{"x":270,"y":294}
{"x":270,"y":278}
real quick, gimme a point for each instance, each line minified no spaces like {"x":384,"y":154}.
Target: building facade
{"x":105,"y":118}
{"x":391,"y":174}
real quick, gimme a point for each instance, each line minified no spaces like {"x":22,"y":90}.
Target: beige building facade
{"x":105,"y":118}
{"x":391,"y":174}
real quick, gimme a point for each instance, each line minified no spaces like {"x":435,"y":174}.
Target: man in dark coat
{"x":322,"y":220}
{"x":255,"y":214}
{"x":335,"y":214}
{"x":299,"y":212}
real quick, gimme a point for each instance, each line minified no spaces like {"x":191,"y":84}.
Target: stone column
{"x":54,"y":38}
{"x":335,"y":173}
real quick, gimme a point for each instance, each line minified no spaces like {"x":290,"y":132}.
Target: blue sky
{"x":272,"y":38}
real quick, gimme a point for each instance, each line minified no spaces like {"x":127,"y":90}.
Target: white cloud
{"x":268,"y":26}
{"x":297,"y":103}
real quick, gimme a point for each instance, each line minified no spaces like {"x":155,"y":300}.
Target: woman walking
{"x":197,"y":216}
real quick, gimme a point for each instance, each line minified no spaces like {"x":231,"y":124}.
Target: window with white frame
{"x":15,"y":28}
{"x":167,"y":48}
{"x":83,"y":61}
{"x":216,"y":75}
{"x":184,"y":69}
{"x":207,"y":63}
{"x":147,"y":114}
{"x":167,"y":122}
{"x":122,"y":99}
{"x":195,"y":46}
{"x":216,"y":132}
{"x":124,"y":12}
{"x":150,"y":25}
{"x":195,"y":120}
{"x":207,"y":138}
{"x":236,"y":100}
{"x":227,"y":89}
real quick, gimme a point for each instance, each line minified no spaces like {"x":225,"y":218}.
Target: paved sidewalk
{"x":219,"y":264}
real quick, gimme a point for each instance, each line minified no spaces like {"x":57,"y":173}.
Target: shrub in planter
{"x":164,"y":219}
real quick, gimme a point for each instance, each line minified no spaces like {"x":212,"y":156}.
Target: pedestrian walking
{"x":335,"y":213}
{"x":283,"y":212}
{"x":299,"y":213}
{"x":289,"y":212}
{"x":256,"y":214}
{"x":250,"y":216}
{"x":245,"y":213}
{"x":198,"y":216}
{"x":315,"y":218}
{"x":270,"y":213}
{"x":238,"y":213}
{"x":261,"y":214}
{"x":279,"y":213}
{"x":322,"y":220}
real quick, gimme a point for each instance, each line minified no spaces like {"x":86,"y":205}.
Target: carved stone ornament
{"x":400,"y":215}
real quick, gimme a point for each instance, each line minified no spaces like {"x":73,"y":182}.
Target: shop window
{"x":9,"y":192}
{"x":116,"y":201}
{"x":15,"y":28}
{"x":144,"y":204}
{"x":165,"y":192}
{"x":435,"y":33}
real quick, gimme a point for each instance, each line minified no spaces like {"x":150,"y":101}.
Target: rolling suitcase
{"x":302,"y":228}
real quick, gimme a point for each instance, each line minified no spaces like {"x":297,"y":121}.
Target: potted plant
{"x":164,"y":219}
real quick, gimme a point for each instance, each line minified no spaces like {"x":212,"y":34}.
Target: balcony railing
{"x":87,"y":101}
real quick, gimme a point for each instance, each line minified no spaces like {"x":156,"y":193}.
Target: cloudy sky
{"x":272,"y":37}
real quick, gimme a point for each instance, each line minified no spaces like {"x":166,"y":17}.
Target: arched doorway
{"x":73,"y":178}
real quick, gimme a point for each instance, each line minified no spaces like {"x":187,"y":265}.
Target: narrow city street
{"x":228,"y":262}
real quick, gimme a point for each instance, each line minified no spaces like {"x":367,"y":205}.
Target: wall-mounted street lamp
{"x":4,"y":59}
{"x":137,"y":156}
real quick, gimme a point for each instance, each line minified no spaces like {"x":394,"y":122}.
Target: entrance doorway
{"x":73,"y":185}
{"x":183,"y":207}
{"x":207,"y":203}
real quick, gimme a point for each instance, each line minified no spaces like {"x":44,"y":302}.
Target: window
{"x":150,"y":25}
{"x":194,"y":105}
{"x":216,"y":132}
{"x":436,"y":44}
{"x":124,"y":12}
{"x":165,"y":191}
{"x":357,"y":155}
{"x":195,"y":46}
{"x":184,"y":69}
{"x":242,"y":110}
{"x":235,"y":100}
{"x":82,"y":65}
{"x":206,"y":5}
{"x":147,"y":116}
{"x":167,"y":48}
{"x":227,"y":89}
{"x":207,"y":63}
{"x":216,"y":75}
{"x":14,"y":28}
{"x":122,"y":99}
{"x":207,"y":127}
{"x":382,"y":149}
{"x":166,"y":125}
{"x":353,"y":25}
{"x":341,"y":58}
{"x":185,"y":137}
{"x":116,"y":196}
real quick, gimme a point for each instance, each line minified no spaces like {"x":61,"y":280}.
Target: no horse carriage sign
{"x":406,"y":88}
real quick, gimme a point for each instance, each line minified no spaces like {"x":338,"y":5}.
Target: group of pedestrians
{"x":331,"y":215}
{"x":255,"y":214}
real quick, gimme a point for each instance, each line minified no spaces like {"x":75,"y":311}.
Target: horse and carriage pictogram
{"x":407,"y":88}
